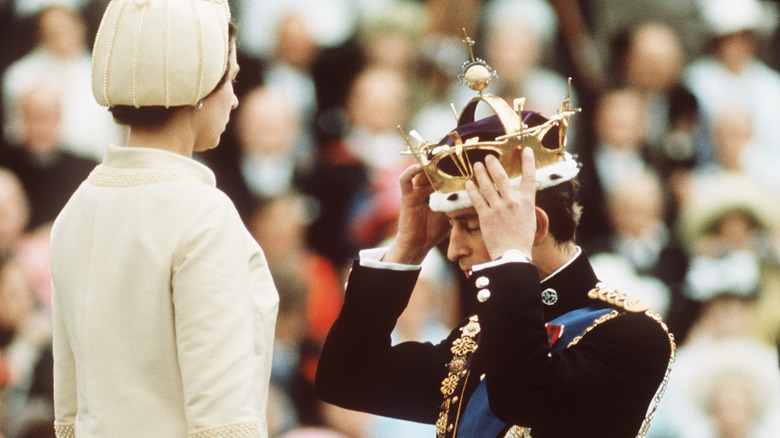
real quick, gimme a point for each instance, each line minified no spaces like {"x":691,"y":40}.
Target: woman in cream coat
{"x":164,"y":308}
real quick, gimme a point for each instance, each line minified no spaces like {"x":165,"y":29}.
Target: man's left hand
{"x":507,"y":216}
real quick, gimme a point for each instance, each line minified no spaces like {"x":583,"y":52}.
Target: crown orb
{"x":477,"y":77}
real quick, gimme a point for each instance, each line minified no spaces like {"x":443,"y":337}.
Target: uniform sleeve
{"x":219,"y":349}
{"x":65,"y":402}
{"x":612,"y":371}
{"x":359,"y":369}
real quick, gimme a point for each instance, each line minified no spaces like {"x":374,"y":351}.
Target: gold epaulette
{"x":618,"y":299}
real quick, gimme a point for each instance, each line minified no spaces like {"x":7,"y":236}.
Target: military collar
{"x":567,"y":289}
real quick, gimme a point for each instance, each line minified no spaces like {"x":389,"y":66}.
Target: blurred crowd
{"x":679,"y":140}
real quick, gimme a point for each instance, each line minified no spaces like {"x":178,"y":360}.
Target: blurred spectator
{"x":370,"y":147}
{"x":438,"y":87}
{"x":30,"y":249}
{"x":293,"y":399}
{"x":280,"y":227}
{"x":14,"y":210}
{"x":261,"y":160}
{"x":618,"y":153}
{"x":281,"y":414}
{"x":48,"y":172}
{"x":519,"y":41}
{"x":607,"y":18}
{"x":331,"y":22}
{"x":642,"y":255}
{"x":725,"y":224}
{"x":312,"y":282}
{"x":389,"y":37}
{"x":733,"y":76}
{"x":721,"y":388}
{"x":376,"y":105}
{"x":450,"y":17}
{"x":62,"y":58}
{"x":290,"y":70}
{"x":650,"y":58}
{"x":25,"y":341}
{"x":25,"y":8}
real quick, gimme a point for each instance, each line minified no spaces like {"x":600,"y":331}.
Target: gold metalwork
{"x":662,"y":390}
{"x":518,"y":432}
{"x":618,"y":299}
{"x":457,"y":376}
{"x":463,"y":346}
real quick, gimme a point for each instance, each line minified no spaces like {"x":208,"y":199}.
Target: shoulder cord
{"x":646,"y":423}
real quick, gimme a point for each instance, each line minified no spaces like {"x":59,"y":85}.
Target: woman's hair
{"x":561,"y":203}
{"x":156,"y":115}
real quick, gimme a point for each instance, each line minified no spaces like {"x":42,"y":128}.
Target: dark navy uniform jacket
{"x":601,"y":387}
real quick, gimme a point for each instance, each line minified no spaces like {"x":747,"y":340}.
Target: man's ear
{"x":542,"y":225}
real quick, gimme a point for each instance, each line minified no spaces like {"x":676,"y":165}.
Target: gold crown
{"x":448,"y":167}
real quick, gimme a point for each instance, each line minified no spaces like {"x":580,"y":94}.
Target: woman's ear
{"x":542,"y":225}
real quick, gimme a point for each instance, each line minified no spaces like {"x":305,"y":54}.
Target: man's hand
{"x":419,"y":228}
{"x":507,"y":217}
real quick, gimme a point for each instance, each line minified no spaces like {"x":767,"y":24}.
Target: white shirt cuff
{"x":372,"y":258}
{"x":513,"y":255}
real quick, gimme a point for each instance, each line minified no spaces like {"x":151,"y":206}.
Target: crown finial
{"x":476,"y":74}
{"x":469,"y":43}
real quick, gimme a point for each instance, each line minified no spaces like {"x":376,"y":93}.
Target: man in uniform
{"x":550,"y":351}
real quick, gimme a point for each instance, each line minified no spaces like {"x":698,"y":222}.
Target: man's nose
{"x":455,"y":249}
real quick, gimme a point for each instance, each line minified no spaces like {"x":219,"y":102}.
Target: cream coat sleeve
{"x":224,"y":314}
{"x":65,"y":400}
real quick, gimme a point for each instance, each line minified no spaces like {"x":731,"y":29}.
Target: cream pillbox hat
{"x":160,"y":52}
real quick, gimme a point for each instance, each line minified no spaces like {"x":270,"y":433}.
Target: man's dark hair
{"x":561,"y":203}
{"x":157,"y":115}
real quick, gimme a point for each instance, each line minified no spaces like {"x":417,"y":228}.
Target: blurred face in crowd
{"x":215,"y":113}
{"x":280,"y":226}
{"x":736,"y":50}
{"x":513,"y":50}
{"x":266,"y":123}
{"x":377,"y":100}
{"x":620,"y":119}
{"x":41,"y":112}
{"x":295,"y":44}
{"x":636,"y":208}
{"x":62,"y":30}
{"x":733,"y":406}
{"x":654,"y":60}
{"x":391,"y":50}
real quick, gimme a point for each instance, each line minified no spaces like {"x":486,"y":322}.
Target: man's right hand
{"x":419,"y":228}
